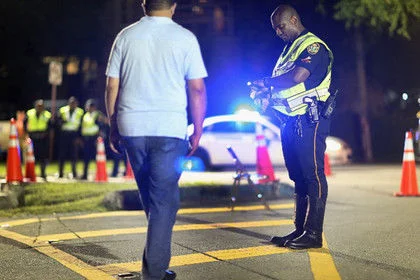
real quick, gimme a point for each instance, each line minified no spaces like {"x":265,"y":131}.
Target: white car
{"x":239,"y":132}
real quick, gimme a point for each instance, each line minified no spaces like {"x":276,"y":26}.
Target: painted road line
{"x":67,"y":260}
{"x":185,"y":211}
{"x":322,"y":264}
{"x":197,"y":258}
{"x":237,"y":208}
{"x":186,"y":227}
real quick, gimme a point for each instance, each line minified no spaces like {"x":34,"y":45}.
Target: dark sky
{"x":31,"y":29}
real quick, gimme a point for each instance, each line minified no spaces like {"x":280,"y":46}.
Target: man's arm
{"x":111,"y":95}
{"x":197,"y":97}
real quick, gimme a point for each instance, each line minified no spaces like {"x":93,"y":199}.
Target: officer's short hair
{"x":39,"y":102}
{"x":72,"y":99}
{"x":90,"y":102}
{"x":156,"y":5}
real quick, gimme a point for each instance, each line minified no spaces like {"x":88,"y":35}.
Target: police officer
{"x":90,"y":128}
{"x":296,"y":93}
{"x":37,"y":125}
{"x":69,"y":120}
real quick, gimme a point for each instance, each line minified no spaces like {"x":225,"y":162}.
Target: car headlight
{"x":333,"y":145}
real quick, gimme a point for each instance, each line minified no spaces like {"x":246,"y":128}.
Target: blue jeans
{"x":154,"y":162}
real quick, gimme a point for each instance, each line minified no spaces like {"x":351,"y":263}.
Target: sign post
{"x":55,"y":78}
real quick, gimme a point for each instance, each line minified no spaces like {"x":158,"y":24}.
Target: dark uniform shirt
{"x":315,"y":59}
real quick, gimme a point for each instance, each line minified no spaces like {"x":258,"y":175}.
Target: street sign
{"x":55,"y":73}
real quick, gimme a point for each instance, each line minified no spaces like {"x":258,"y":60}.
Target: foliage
{"x":394,"y":15}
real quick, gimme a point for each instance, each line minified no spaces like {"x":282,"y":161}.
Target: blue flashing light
{"x":191,"y":163}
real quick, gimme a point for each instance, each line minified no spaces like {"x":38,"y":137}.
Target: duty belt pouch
{"x":329,"y":105}
{"x":312,"y":111}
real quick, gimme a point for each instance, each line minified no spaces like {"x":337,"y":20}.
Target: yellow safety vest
{"x":289,"y":101}
{"x":71,"y":122}
{"x":37,"y":124}
{"x":89,"y":126}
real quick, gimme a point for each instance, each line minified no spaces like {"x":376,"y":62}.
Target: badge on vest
{"x":313,"y":48}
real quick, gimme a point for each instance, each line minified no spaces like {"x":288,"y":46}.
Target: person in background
{"x":116,"y":160}
{"x":297,"y":92}
{"x":90,"y":129}
{"x":37,"y":125}
{"x":69,"y":121}
{"x":150,"y":64}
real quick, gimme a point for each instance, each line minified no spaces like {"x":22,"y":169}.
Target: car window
{"x":238,"y":127}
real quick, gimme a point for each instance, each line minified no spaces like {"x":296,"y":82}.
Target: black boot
{"x":309,"y":239}
{"x":301,"y":206}
{"x":312,"y":237}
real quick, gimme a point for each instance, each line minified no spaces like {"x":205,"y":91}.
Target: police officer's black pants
{"x":89,"y":152}
{"x":304,"y":147}
{"x":68,"y":149}
{"x":40,"y":143}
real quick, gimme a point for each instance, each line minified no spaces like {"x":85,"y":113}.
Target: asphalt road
{"x":369,"y":234}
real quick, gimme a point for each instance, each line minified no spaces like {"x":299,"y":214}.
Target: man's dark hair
{"x":156,"y":5}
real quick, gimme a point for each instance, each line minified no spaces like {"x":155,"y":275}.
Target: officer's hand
{"x":259,"y":83}
{"x":257,"y":89}
{"x":262,"y":103}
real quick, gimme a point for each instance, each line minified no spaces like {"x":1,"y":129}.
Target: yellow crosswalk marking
{"x":69,"y":261}
{"x":109,"y":232}
{"x":185,"y":211}
{"x":197,"y":258}
{"x":322,"y":263}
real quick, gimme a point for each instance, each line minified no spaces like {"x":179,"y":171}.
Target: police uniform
{"x":303,"y":135}
{"x":37,"y":126}
{"x":90,"y":132}
{"x":70,"y":121}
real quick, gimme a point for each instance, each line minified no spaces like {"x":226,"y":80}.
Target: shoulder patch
{"x":313,"y":48}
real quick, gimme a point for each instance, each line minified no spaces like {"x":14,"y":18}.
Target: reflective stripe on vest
{"x":290,"y":101}
{"x":71,"y":122}
{"x":35,"y":123}
{"x":89,"y":126}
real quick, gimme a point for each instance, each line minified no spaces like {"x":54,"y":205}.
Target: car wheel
{"x":204,"y":157}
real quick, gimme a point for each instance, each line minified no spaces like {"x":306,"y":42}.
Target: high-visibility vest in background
{"x":89,"y":126}
{"x":71,"y":122}
{"x":37,"y":123}
{"x":286,"y":63}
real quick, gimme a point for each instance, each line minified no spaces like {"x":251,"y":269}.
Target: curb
{"x":204,"y":195}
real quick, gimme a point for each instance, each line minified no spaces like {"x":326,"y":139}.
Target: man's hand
{"x":115,"y":139}
{"x":194,"y":142}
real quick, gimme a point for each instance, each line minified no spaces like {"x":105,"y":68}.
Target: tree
{"x":393,"y":16}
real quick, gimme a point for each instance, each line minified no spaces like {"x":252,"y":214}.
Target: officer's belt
{"x":295,"y":102}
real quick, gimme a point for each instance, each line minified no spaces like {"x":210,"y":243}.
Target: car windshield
{"x":242,"y":127}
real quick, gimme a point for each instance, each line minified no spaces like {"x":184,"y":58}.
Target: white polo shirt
{"x":153,"y":58}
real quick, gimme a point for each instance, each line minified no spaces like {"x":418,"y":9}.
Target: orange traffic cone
{"x":327,"y":166}
{"x":101,"y":175}
{"x":14,"y":168}
{"x":264,"y":166}
{"x":129,"y":171}
{"x":409,"y":177}
{"x":30,"y":162}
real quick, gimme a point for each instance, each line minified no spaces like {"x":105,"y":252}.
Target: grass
{"x":49,"y":198}
{"x":82,"y":196}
